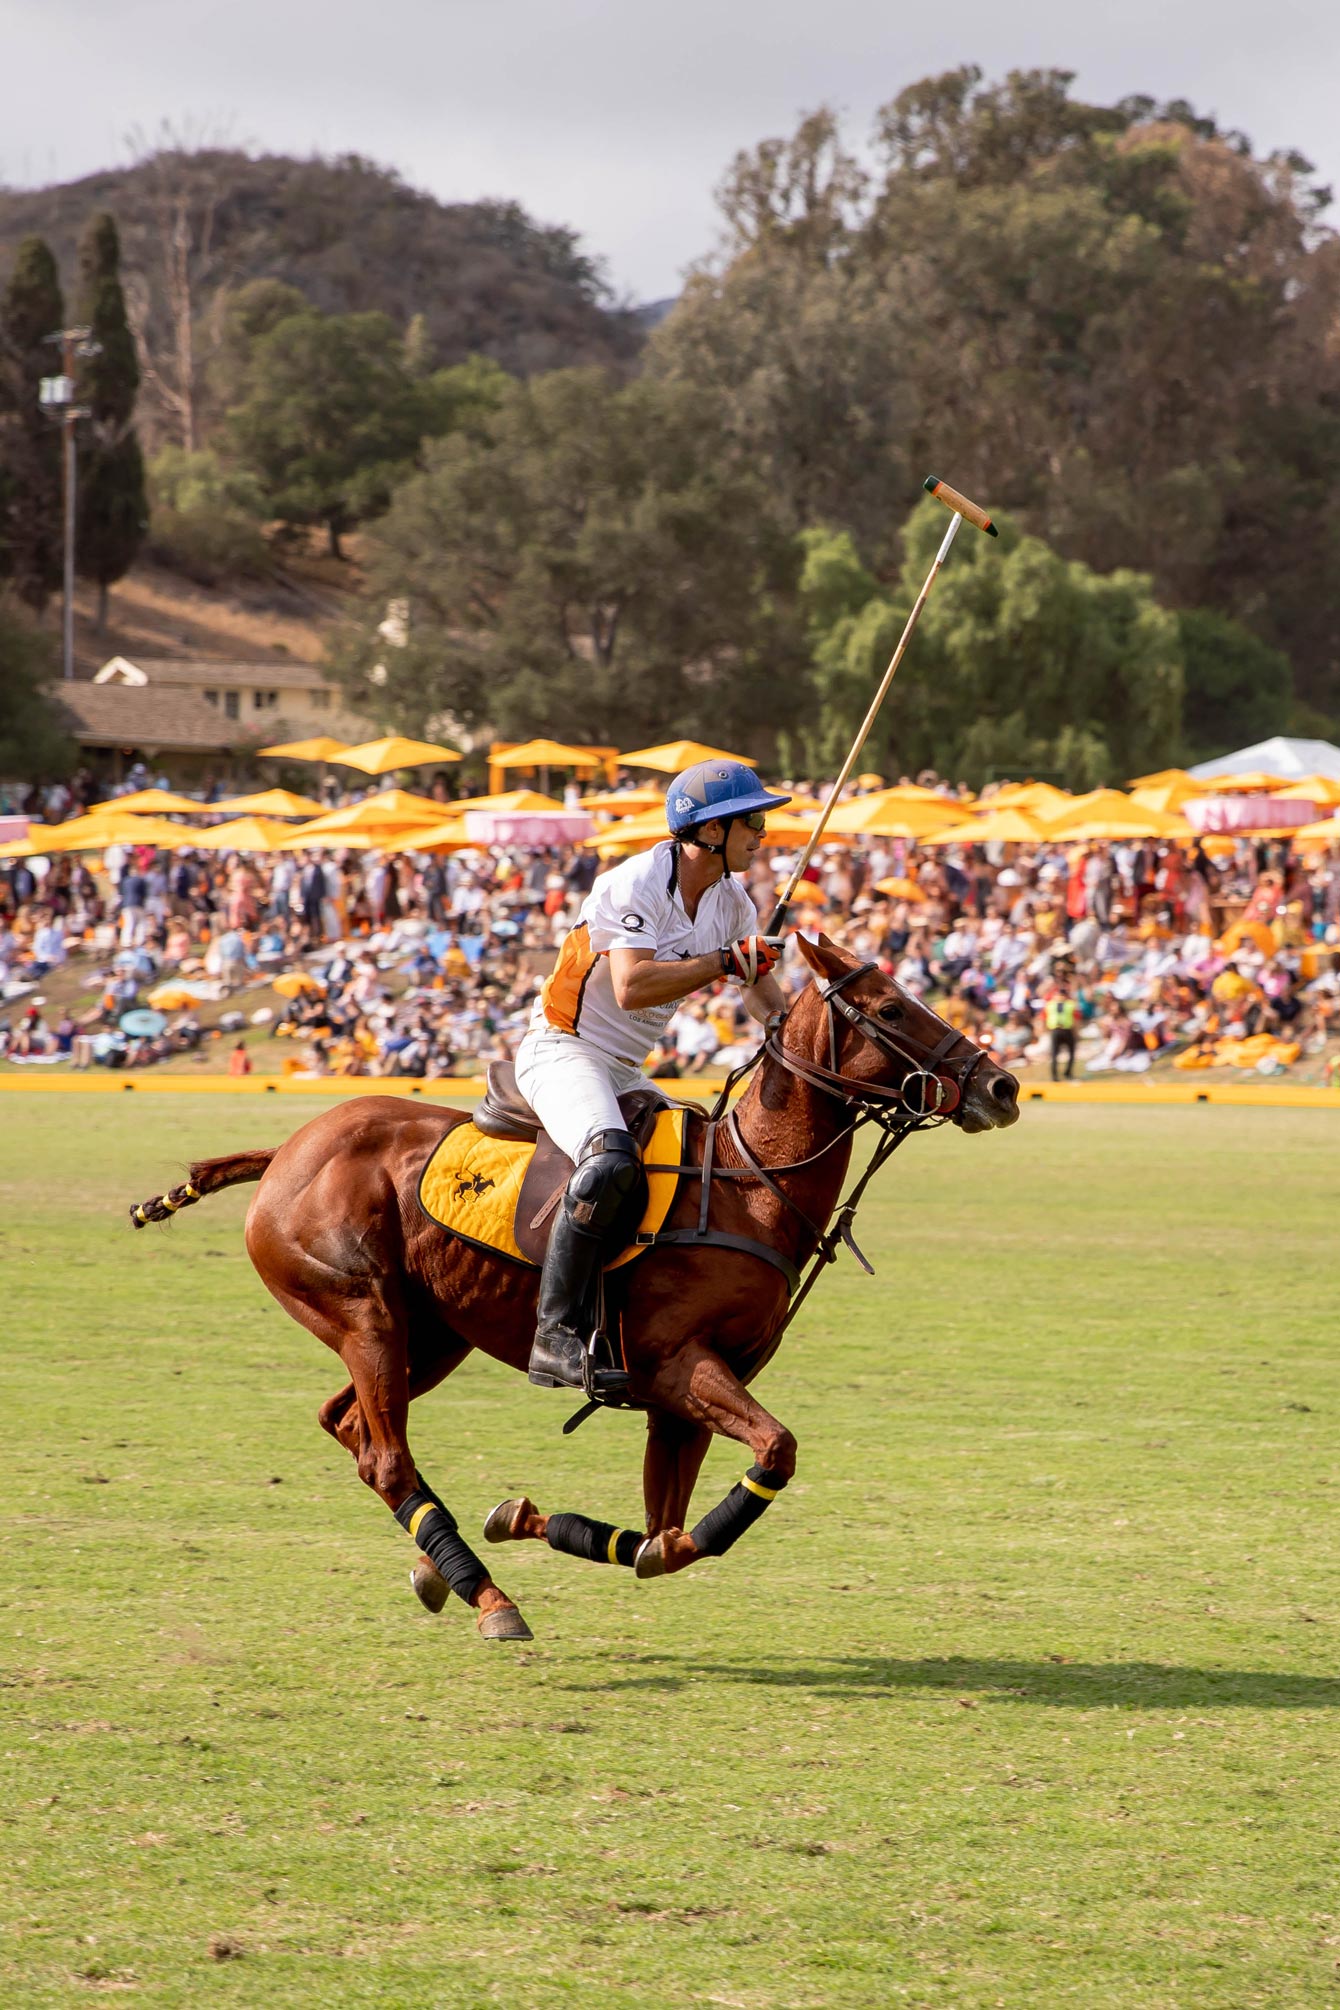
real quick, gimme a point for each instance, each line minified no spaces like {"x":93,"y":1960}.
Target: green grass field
{"x":1025,"y":1694}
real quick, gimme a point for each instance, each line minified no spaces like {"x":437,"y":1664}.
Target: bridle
{"x":929,"y":1092}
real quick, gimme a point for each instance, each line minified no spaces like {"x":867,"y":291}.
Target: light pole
{"x":57,"y":398}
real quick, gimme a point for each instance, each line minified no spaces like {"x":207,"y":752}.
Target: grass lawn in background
{"x":1025,"y":1692}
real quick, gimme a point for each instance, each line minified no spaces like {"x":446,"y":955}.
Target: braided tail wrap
{"x":207,"y":1176}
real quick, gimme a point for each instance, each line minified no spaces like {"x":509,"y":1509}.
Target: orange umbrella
{"x":245,"y":834}
{"x":1007,"y":826}
{"x":1318,"y":789}
{"x":1166,"y":778}
{"x":271,"y":803}
{"x":890,"y":814}
{"x":383,"y":757}
{"x":900,"y":889}
{"x":676,"y":755}
{"x":807,"y":894}
{"x":1243,"y":785}
{"x":155,"y":803}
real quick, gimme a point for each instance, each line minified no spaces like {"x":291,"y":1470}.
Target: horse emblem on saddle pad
{"x":500,"y":1194}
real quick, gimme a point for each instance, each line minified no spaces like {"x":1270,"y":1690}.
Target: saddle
{"x":498,"y":1180}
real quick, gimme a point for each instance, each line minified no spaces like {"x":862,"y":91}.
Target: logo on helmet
{"x":685,"y":803}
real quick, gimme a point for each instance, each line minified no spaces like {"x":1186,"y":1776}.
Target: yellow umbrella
{"x":1039,"y":797}
{"x":383,"y":757}
{"x":1165,"y":778}
{"x":676,"y":755}
{"x":172,"y":998}
{"x":544,"y":754}
{"x":390,"y":810}
{"x":1318,"y":789}
{"x":293,"y":983}
{"x":449,"y":835}
{"x":1243,"y":785}
{"x":1111,"y":830}
{"x":1323,"y":833}
{"x":807,"y":894}
{"x":870,"y":781}
{"x":891,"y":815}
{"x":322,"y":748}
{"x":271,"y":803}
{"x":513,"y":800}
{"x":1165,"y":795}
{"x":1083,"y":809}
{"x":154,"y":803}
{"x":101,"y":831}
{"x":304,"y":838}
{"x":245,"y":834}
{"x":1006,"y":826}
{"x":900,"y":889}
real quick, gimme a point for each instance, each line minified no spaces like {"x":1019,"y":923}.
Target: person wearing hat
{"x":653,"y":930}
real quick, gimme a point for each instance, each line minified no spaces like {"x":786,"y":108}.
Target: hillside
{"x":351,"y":236}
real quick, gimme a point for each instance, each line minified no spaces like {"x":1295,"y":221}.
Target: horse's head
{"x":877,"y":1036}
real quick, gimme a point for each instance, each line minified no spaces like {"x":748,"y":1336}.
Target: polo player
{"x":655,"y":929}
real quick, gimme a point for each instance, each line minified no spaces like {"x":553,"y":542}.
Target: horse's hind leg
{"x":371,"y":1340}
{"x":699,"y":1389}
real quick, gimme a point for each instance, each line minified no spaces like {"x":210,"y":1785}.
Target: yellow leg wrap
{"x":764,"y":1493}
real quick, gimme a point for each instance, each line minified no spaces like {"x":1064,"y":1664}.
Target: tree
{"x":1114,"y":322}
{"x":1022,"y":660}
{"x":113,"y":506}
{"x":587,"y":561}
{"x":34,"y":743}
{"x":1238,"y":689}
{"x":207,"y":519}
{"x":329,"y":417}
{"x":32,"y":310}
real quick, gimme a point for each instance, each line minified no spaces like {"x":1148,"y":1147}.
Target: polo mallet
{"x":961,"y":508}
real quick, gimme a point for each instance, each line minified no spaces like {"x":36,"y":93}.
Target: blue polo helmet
{"x":715,"y":789}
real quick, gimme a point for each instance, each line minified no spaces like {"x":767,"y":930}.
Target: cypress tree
{"x":113,"y":506}
{"x":31,"y":309}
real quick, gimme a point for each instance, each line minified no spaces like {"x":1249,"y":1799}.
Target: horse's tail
{"x":207,"y":1176}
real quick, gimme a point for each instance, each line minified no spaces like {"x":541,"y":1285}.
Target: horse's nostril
{"x":1004,"y":1089}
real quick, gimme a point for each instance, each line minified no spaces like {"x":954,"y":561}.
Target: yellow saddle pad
{"x":471,"y":1185}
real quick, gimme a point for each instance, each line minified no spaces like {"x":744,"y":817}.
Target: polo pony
{"x":337,"y":1234}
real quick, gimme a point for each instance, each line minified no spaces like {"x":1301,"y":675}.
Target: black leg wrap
{"x":433,"y":1527}
{"x":746,"y":1501}
{"x":593,"y":1541}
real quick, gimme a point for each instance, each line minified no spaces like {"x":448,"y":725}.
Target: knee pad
{"x":607,"y":1183}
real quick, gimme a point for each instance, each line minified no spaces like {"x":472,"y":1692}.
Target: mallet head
{"x":960,"y":504}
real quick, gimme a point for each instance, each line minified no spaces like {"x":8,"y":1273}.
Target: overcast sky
{"x":616,"y":117}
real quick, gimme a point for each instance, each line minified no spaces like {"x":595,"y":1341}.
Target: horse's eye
{"x":891,"y":1009}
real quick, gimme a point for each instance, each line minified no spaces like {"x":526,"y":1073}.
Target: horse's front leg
{"x":697,"y":1387}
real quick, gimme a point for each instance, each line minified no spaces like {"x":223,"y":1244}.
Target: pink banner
{"x":530,"y":827}
{"x":1227,"y":815}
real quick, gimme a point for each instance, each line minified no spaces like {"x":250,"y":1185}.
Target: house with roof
{"x":254,"y":702}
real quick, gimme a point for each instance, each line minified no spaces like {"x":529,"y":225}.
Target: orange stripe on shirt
{"x":561,"y":993}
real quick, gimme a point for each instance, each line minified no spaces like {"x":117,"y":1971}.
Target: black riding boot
{"x":606,"y":1181}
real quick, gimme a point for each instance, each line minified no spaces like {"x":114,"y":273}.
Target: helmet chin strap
{"x":719,"y":849}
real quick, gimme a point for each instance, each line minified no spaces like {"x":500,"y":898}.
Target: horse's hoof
{"x":650,"y":1561}
{"x":502,"y":1523}
{"x":503,"y":1623}
{"x":430,"y":1587}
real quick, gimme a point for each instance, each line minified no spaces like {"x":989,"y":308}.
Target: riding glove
{"x":752,"y":957}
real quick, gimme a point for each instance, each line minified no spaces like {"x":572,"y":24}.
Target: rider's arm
{"x":639,"y":980}
{"x":761,"y":1000}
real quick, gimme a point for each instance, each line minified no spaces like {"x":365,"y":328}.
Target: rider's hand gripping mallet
{"x":961,"y":507}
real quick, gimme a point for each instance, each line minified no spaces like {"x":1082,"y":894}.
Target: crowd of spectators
{"x":1102,"y":957}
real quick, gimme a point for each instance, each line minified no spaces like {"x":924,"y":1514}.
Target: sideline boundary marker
{"x":1268,"y":1096}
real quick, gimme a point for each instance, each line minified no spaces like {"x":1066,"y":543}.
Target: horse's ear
{"x":824,"y":957}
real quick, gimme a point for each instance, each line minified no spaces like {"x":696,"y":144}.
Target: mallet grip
{"x":953,"y":500}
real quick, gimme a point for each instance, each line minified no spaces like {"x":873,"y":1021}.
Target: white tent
{"x":1280,"y":756}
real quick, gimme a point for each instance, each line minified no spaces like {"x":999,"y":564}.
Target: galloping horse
{"x":338,"y":1236}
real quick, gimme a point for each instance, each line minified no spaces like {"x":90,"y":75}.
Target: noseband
{"x":930,"y":1091}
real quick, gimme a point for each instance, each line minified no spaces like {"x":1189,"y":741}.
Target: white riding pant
{"x":573,"y":1088}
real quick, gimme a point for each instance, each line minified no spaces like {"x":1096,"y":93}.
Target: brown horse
{"x":337,"y":1234}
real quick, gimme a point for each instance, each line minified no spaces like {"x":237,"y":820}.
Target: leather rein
{"x":925,"y":1096}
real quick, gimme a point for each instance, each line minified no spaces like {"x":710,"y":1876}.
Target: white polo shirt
{"x":637,"y":905}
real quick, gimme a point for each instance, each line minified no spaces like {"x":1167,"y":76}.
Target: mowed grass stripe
{"x":1023,"y":1693}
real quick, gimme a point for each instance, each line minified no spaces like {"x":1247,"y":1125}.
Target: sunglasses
{"x":757,"y":820}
